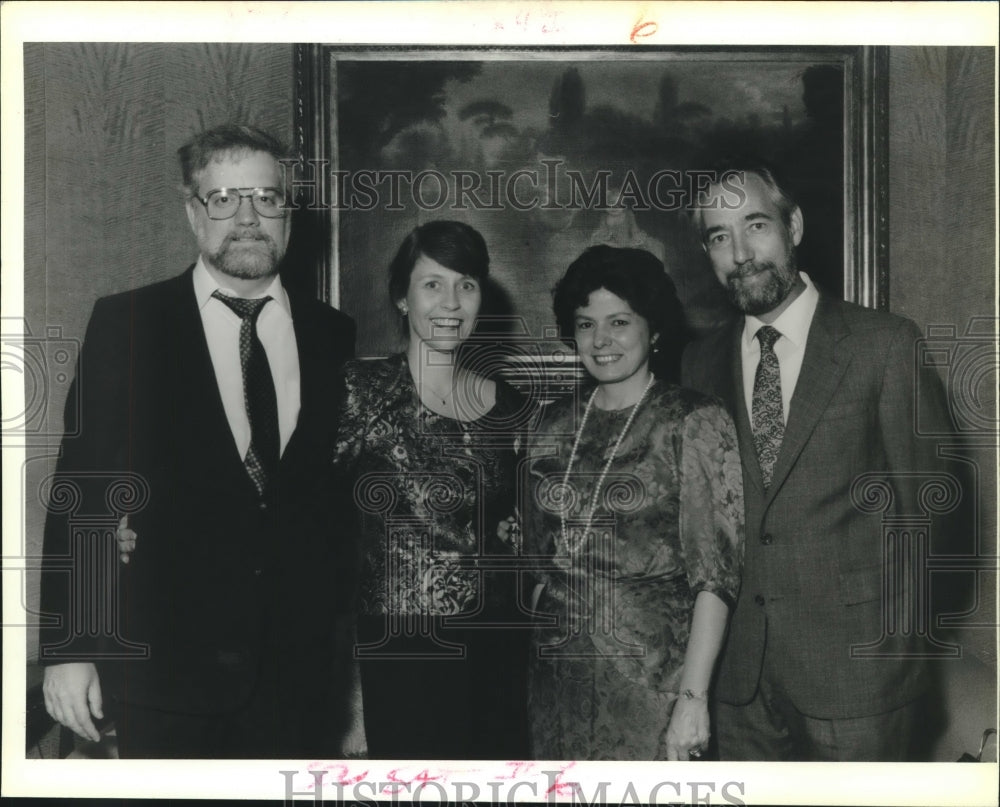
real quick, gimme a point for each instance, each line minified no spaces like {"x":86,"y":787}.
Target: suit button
{"x":258,"y":572}
{"x":767,"y":539}
{"x":758,"y":599}
{"x":262,"y":505}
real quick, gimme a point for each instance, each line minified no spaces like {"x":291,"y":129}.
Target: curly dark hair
{"x":639,"y":278}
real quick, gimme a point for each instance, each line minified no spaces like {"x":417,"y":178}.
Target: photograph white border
{"x":439,"y":23}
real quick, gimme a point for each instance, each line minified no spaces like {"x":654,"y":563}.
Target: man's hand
{"x":72,"y":694}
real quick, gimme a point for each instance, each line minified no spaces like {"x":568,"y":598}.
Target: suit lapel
{"x":317,"y":409}
{"x":823,"y":367}
{"x":198,"y":402}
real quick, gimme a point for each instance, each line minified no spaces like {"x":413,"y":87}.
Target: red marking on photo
{"x":516,"y":770}
{"x":340,"y":773}
{"x":644,"y":29}
{"x":559,"y":787}
{"x":397,"y":774}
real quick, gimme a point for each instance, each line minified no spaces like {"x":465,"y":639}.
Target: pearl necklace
{"x":604,"y":473}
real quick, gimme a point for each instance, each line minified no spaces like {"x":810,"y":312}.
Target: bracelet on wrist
{"x":691,"y":695}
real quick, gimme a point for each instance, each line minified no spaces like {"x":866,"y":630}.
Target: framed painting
{"x":547,"y":151}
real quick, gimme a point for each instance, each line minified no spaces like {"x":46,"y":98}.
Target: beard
{"x":255,"y":256}
{"x":766,"y":290}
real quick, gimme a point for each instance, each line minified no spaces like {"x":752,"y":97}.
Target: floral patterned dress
{"x":619,"y":592}
{"x":429,"y":492}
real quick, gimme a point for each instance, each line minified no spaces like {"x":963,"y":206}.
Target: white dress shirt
{"x":793,"y":325}
{"x":275,"y":331}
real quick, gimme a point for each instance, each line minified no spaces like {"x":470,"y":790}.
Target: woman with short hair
{"x":637,"y":501}
{"x":426,"y":440}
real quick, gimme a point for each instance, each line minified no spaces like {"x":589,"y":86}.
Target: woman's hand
{"x":126,"y":540}
{"x":688,"y":732}
{"x":509,"y":531}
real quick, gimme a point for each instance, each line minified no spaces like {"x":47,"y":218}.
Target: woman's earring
{"x":403,"y":310}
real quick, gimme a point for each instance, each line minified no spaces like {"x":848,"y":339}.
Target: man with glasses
{"x":216,"y":393}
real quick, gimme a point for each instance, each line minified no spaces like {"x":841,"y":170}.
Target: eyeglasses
{"x":222,"y":203}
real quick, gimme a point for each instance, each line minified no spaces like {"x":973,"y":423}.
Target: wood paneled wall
{"x":941,"y":172}
{"x":942,"y":221}
{"x":104,"y":122}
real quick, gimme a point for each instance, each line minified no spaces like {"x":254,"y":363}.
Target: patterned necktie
{"x":259,"y":396}
{"x":767,"y":412}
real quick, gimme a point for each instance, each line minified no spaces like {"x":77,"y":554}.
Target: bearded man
{"x":214,"y":394}
{"x":822,"y":392}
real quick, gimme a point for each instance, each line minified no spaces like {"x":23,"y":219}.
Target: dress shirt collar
{"x":205,"y":284}
{"x":793,"y":323}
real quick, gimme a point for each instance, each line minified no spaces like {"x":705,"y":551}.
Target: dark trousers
{"x":145,"y":733}
{"x":770,"y":728}
{"x":443,"y":692}
{"x":282,"y":719}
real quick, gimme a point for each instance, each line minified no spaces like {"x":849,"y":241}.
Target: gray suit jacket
{"x":812,"y":589}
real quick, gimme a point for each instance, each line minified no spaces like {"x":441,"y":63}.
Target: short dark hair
{"x":196,"y":154}
{"x":453,"y":244}
{"x":639,"y":278}
{"x":771,"y":176}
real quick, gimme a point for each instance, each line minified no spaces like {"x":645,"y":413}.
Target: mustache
{"x":247,"y":235}
{"x":751,"y":268}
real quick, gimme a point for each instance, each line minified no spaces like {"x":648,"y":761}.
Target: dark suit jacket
{"x":813,"y":572}
{"x":219,"y":581}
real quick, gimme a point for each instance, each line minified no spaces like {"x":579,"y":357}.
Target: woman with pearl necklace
{"x":635,"y":499}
